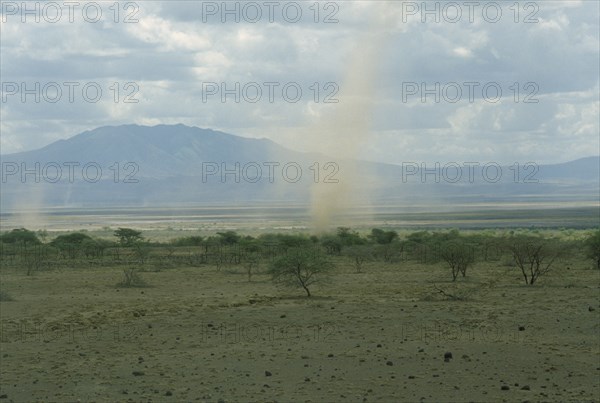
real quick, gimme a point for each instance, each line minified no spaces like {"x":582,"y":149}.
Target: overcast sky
{"x":168,"y":55}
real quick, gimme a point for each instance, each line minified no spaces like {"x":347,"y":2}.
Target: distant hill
{"x":178,"y":164}
{"x":159,"y":151}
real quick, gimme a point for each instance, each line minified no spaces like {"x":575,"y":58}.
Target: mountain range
{"x":133,"y":165}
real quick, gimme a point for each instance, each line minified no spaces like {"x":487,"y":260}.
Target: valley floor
{"x":198,"y":334}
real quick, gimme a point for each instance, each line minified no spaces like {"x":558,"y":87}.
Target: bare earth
{"x":200,"y":335}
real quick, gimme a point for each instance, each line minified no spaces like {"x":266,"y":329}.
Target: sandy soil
{"x":200,"y":335}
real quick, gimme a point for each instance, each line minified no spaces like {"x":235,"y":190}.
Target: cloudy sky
{"x":513,"y":82}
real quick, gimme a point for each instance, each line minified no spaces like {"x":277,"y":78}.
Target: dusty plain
{"x":381,"y":335}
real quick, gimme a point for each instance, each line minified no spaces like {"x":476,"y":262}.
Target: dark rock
{"x":389,"y":363}
{"x":505,"y":387}
{"x":267,"y":373}
{"x":138,"y":373}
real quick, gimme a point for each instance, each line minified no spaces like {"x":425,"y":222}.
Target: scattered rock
{"x":138,"y":373}
{"x":521,"y":328}
{"x":168,"y":393}
{"x":591,"y":308}
{"x":267,"y":373}
{"x":5,"y":396}
{"x":447,"y":356}
{"x":526,"y":387}
{"x":329,"y":355}
{"x":505,"y":387}
{"x":389,"y":363}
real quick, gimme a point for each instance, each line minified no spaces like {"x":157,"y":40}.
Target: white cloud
{"x":170,"y":52}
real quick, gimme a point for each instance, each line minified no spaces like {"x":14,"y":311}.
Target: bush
{"x":5,"y":297}
{"x":592,"y":247}
{"x":458,"y":256}
{"x":359,"y":254}
{"x":188,"y":241}
{"x":132,"y":279}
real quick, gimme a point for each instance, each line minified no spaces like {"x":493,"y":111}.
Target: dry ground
{"x":196,"y":334}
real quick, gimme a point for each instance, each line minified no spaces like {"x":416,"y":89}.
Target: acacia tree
{"x":71,"y":244}
{"x":128,"y":236}
{"x":301,"y":267}
{"x":383,"y":237}
{"x":458,"y":256}
{"x":534,"y":256}
{"x":20,"y":236}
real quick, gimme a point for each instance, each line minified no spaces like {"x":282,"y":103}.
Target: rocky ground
{"x":386,"y":334}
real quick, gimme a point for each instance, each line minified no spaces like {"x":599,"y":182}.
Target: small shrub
{"x":5,"y":297}
{"x":132,"y":279}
